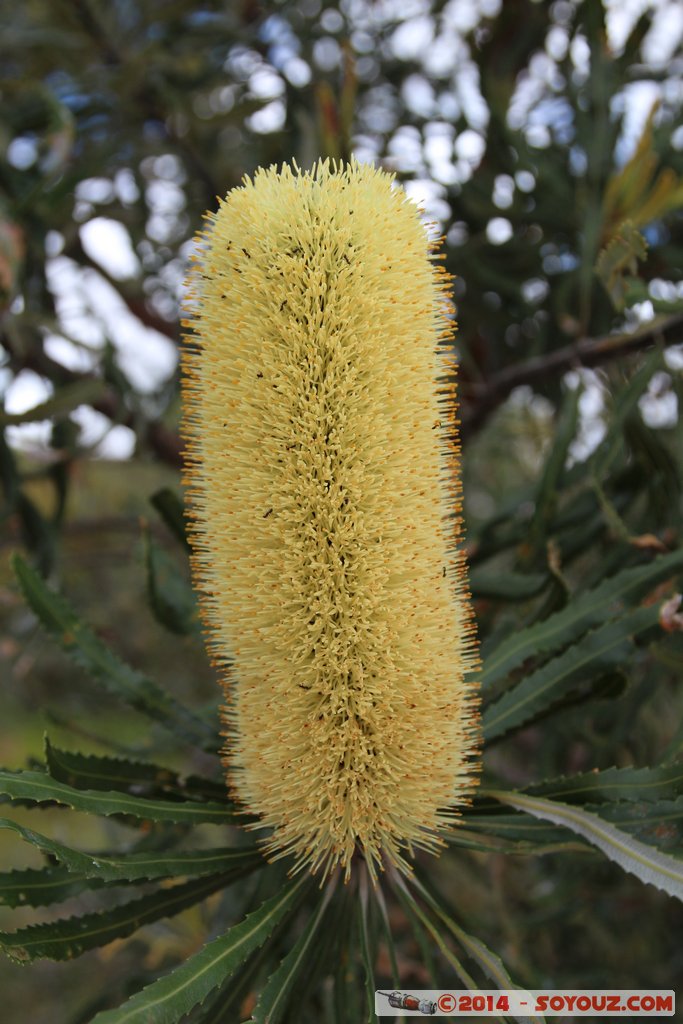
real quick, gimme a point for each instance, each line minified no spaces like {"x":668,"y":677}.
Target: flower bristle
{"x":320,"y":419}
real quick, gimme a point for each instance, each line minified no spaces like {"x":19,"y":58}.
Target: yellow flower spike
{"x":323,"y":481}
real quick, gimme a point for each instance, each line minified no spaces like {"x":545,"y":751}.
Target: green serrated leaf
{"x":583,"y":613}
{"x":274,"y":998}
{"x":37,"y":787}
{"x":654,"y":823}
{"x":417,"y":915}
{"x":488,"y":962}
{"x":170,"y":508}
{"x":142,"y":865}
{"x":636,"y":191}
{"x":426,"y":947}
{"x":171,"y":597}
{"x":624,"y":407}
{"x":119,"y":679}
{"x":386,"y":931}
{"x":167,"y":999}
{"x":632,"y":784}
{"x":346,"y":996}
{"x":627,"y":185}
{"x":489,"y":841}
{"x":509,"y":586}
{"x":657,"y":824}
{"x":553,"y":470}
{"x":40,"y":887}
{"x":93,"y":771}
{"x":368,"y":954}
{"x":323,"y":959}
{"x":37,"y":533}
{"x":9,"y":473}
{"x":618,"y":262}
{"x":648,"y":864}
{"x":69,"y":937}
{"x":597,"y":653}
{"x":222,"y":1007}
{"x":518,"y":829}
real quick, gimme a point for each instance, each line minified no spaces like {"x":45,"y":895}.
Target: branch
{"x":480,"y":400}
{"x":163,"y":441}
{"x":135,"y":302}
{"x":148,"y":96}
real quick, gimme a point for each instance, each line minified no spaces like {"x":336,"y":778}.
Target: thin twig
{"x":481,"y":399}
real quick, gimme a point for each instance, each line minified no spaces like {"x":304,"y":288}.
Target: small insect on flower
{"x":322,"y":463}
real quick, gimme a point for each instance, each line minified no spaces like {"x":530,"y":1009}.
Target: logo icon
{"x":404,"y":1001}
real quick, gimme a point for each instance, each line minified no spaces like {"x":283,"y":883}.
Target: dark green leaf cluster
{"x":336,"y":932}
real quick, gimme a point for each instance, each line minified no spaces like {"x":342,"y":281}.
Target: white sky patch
{"x":327,"y":53}
{"x":118,"y":443}
{"x":642,"y":312}
{"x":74,"y":356}
{"x":265,"y":84}
{"x":580,"y":54}
{"x":462,"y":17}
{"x":499,"y":230}
{"x":621,"y":16}
{"x":525,"y":181}
{"x":557,"y":42}
{"x":673,"y":357}
{"x":54,"y":243}
{"x":366,"y":149}
{"x":393,"y":10}
{"x":503,"y":191}
{"x":108,"y":243}
{"x":469,"y":95}
{"x":147,"y":357}
{"x":67,"y":284}
{"x":97,"y":432}
{"x":297,"y":72}
{"x":664,"y":38}
{"x":418,"y":95}
{"x":470,"y":146}
{"x":26,"y":391}
{"x":659,"y":405}
{"x":429,"y":197}
{"x":166,"y":201}
{"x":405,"y":149}
{"x":591,"y":428}
{"x":95,"y":190}
{"x":91,"y":311}
{"x":270,"y":118}
{"x":635,"y":102}
{"x":22,"y":152}
{"x":412,"y":37}
{"x":33,"y":437}
{"x":535,"y":289}
{"x":667,"y":291}
{"x":439,"y":57}
{"x":126,"y":187}
{"x":438,"y":151}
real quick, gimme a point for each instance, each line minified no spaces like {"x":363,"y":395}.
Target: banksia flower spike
{"x":322,"y":468}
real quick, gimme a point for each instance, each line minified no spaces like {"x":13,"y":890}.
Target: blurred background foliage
{"x":545,"y":143}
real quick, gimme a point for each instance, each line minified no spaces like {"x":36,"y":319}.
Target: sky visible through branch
{"x":91,"y":313}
